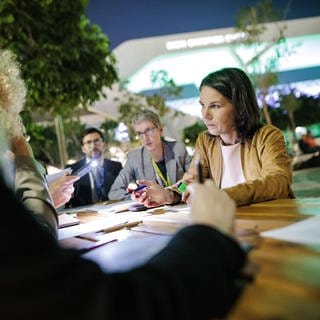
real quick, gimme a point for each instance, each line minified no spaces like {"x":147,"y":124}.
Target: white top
{"x":232,"y":173}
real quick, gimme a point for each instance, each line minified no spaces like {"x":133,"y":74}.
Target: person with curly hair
{"x":21,"y":163}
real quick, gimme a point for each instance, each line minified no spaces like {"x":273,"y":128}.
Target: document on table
{"x":112,"y":214}
{"x":103,"y":222}
{"x":67,"y":220}
{"x":100,"y":207}
{"x":76,"y":230}
{"x":303,"y":232}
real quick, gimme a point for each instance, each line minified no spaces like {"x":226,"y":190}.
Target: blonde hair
{"x":146,"y":115}
{"x":12,"y":94}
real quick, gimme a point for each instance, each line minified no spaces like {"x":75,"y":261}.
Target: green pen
{"x":182,"y":187}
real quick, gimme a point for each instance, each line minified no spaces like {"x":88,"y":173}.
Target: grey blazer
{"x":139,"y":166}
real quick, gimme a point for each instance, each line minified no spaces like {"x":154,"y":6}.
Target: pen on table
{"x":136,"y":189}
{"x":120,"y":226}
{"x":199,"y":168}
{"x":92,"y":236}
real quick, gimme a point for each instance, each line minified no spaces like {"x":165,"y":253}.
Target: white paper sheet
{"x":52,"y":177}
{"x":105,"y":220}
{"x":89,"y":227}
{"x":303,"y":232}
{"x":98,"y":207}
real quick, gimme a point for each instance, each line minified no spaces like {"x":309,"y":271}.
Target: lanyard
{"x":167,"y":181}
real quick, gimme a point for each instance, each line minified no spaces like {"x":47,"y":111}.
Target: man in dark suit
{"x":95,"y":185}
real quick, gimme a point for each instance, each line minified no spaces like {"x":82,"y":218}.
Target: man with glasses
{"x":158,"y":159}
{"x":94,"y":186}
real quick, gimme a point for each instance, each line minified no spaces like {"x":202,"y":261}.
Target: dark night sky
{"x":123,"y":20}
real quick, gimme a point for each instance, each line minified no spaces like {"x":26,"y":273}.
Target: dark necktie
{"x":98,"y":174}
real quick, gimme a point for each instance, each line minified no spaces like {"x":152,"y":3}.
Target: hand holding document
{"x":68,"y":171}
{"x":54,"y":176}
{"x":61,"y":189}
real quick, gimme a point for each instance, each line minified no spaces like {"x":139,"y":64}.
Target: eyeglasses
{"x":95,"y":141}
{"x":148,"y":132}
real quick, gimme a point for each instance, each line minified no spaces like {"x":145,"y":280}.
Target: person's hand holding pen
{"x":211,"y":206}
{"x":153,"y":195}
{"x":136,"y":189}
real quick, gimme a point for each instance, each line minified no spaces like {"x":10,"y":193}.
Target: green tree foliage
{"x":306,"y":112}
{"x":279,"y":117}
{"x":291,"y":104}
{"x":190,"y":134}
{"x":65,"y":60}
{"x":252,"y":20}
{"x":44,"y":141}
{"x":309,"y":113}
{"x":295,"y":111}
{"x":134,"y":103}
{"x":109,"y":129}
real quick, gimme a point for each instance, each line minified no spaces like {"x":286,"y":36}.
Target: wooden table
{"x":287,"y":281}
{"x":286,"y":276}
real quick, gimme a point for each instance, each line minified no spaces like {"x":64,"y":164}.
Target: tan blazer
{"x":265,"y":164}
